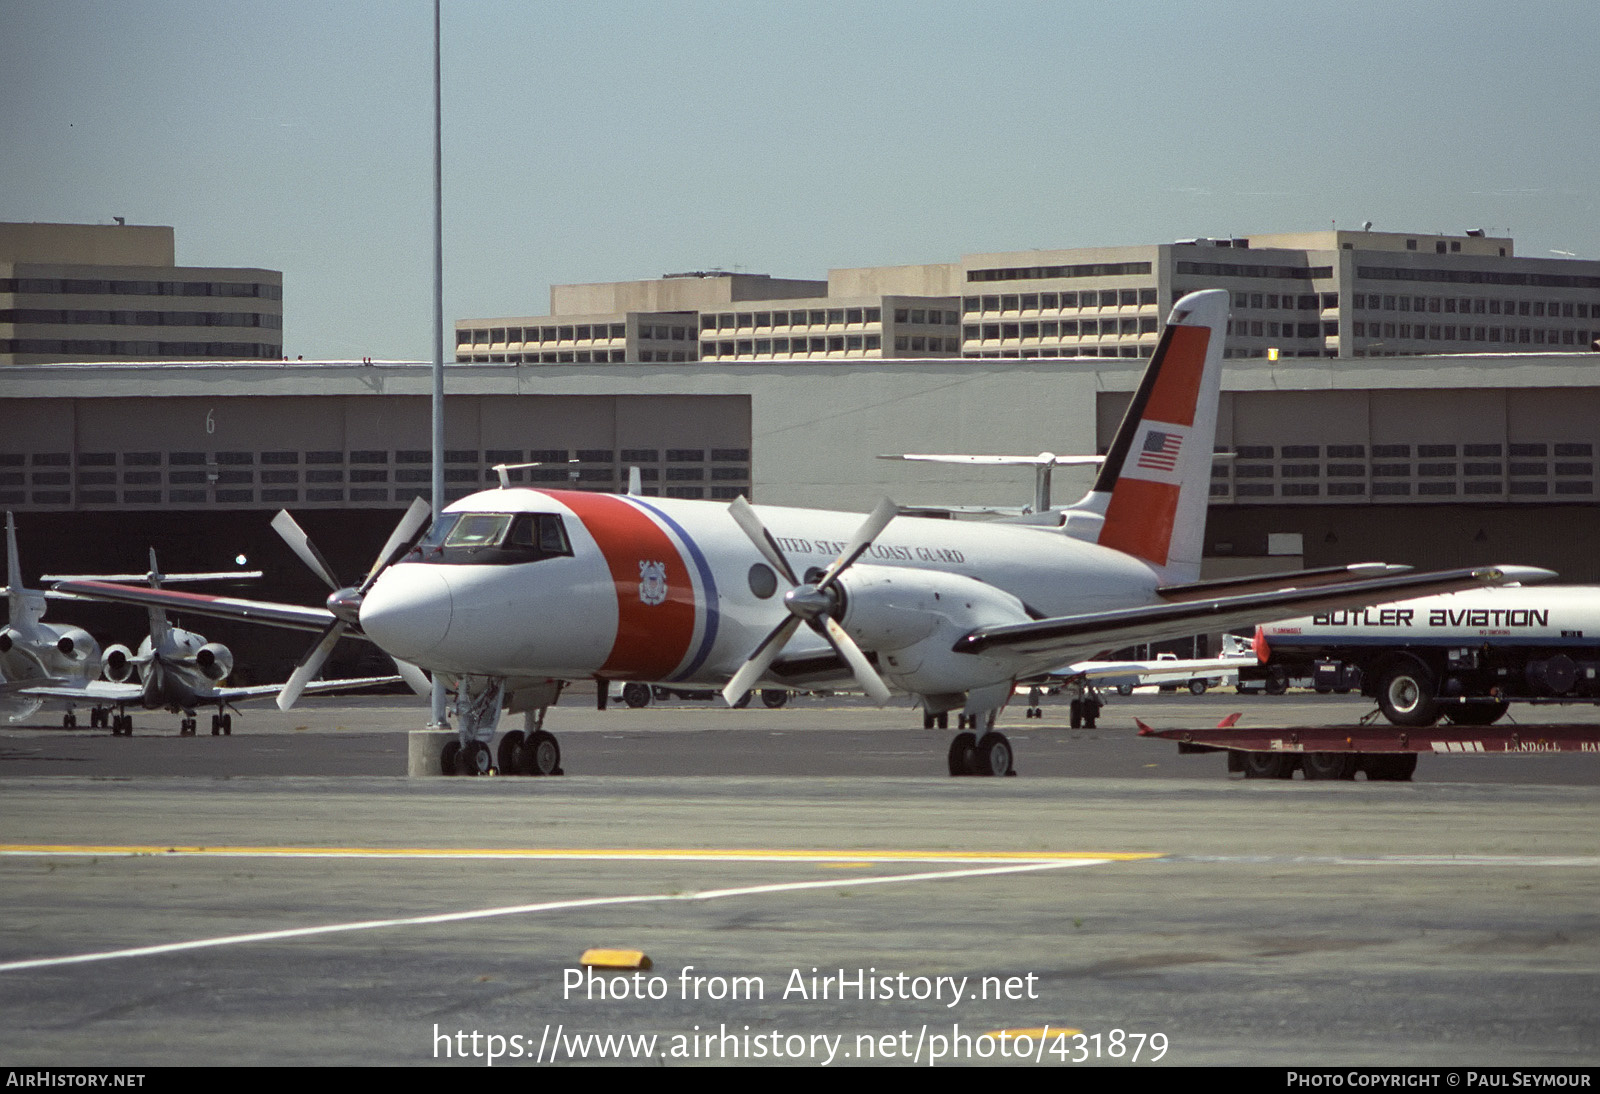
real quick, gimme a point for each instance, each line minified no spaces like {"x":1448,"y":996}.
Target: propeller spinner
{"x":815,"y":604}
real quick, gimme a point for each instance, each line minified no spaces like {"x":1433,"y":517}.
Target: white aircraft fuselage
{"x":671,"y":590}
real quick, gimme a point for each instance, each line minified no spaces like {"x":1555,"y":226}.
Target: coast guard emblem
{"x":652,"y":582}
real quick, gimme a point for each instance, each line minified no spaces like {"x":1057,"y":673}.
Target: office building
{"x":96,"y":292}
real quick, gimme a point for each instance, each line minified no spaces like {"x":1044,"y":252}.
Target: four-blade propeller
{"x":345,"y":603}
{"x":816,"y":604}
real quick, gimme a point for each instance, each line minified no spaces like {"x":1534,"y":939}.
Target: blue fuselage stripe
{"x":709,"y":583}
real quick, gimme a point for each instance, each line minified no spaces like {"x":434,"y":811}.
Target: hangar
{"x":1435,"y":460}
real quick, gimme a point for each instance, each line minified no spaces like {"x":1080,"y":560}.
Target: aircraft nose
{"x":408,"y":611}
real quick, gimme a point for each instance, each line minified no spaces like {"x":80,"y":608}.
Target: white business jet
{"x":514,"y":591}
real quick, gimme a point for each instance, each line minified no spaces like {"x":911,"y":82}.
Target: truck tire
{"x":1475,"y":714}
{"x":1406,"y":694}
{"x":1277,"y":681}
{"x":635,"y":694}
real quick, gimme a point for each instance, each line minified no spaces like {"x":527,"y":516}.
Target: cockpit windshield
{"x":488,"y":539}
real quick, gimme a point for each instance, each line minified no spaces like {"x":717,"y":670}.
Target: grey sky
{"x":602,"y":141}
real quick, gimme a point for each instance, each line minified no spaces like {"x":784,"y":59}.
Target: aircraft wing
{"x":316,"y":687}
{"x":98,"y":691}
{"x":1040,"y":645}
{"x":1152,"y":671}
{"x":223,"y":607}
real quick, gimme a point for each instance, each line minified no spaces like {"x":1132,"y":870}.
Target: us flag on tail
{"x":1160,"y":451}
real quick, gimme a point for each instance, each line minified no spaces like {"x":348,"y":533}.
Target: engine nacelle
{"x":117,"y":664}
{"x":215,"y":660}
{"x":911,"y":619}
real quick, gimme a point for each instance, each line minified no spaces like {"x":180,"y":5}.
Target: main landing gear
{"x":989,"y":754}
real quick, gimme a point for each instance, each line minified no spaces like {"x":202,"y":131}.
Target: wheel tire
{"x":227,"y":725}
{"x":1124,"y":689}
{"x":962,"y":757}
{"x":773,"y":698}
{"x":1197,"y":687}
{"x":541,"y":754}
{"x":449,"y":757}
{"x":475,"y":759}
{"x":927,"y":720}
{"x":636,"y":695}
{"x":216,"y":725}
{"x":1405,"y":695}
{"x":992,"y":755}
{"x":1091,"y":713}
{"x":744,"y":701}
{"x":1390,"y":767}
{"x":1277,"y":682}
{"x":509,"y":754}
{"x":1476,"y":714}
{"x":1330,"y":765}
{"x":1075,"y":714}
{"x":1268,"y":765}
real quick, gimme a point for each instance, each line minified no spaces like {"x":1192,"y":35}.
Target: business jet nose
{"x":408,"y":611}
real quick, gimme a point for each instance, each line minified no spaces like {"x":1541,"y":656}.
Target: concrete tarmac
{"x":245,"y":900}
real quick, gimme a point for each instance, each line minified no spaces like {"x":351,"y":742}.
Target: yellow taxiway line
{"x":751,"y":854}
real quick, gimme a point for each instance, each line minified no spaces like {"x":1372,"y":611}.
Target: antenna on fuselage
{"x":504,"y":471}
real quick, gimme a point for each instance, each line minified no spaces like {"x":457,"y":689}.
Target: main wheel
{"x":541,"y":754}
{"x":1329,"y":765}
{"x":636,"y":695}
{"x":773,"y":698}
{"x":1406,"y":695}
{"x":227,"y":725}
{"x":474,"y":759}
{"x":1197,"y":687}
{"x":449,"y":758}
{"x":1390,"y":767}
{"x":1091,"y":713}
{"x":992,"y":756}
{"x":216,"y":725}
{"x":744,"y":701}
{"x":1075,"y":713}
{"x":1268,"y":765}
{"x":509,"y":754}
{"x":1475,"y":714}
{"x":963,"y":749}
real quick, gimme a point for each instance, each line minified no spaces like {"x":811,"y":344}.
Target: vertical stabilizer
{"x":158,"y":616}
{"x":25,"y":606}
{"x":1154,"y":485}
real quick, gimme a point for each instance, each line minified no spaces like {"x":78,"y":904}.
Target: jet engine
{"x":912,"y":618}
{"x":117,"y":664}
{"x":215,"y":660}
